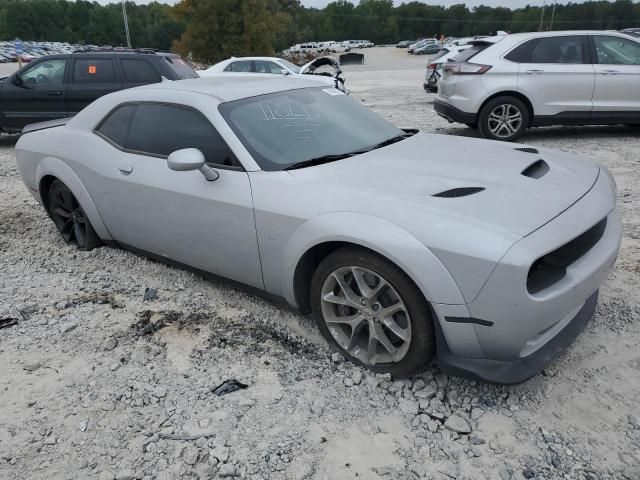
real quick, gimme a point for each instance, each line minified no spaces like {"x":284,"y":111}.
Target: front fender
{"x":57,"y":168}
{"x":381,"y":236}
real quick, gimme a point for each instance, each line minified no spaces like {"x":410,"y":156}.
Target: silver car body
{"x":470,"y":256}
{"x":575,"y":91}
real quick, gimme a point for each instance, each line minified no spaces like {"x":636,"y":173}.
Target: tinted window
{"x":181,"y":68}
{"x":116,"y":125}
{"x":263,"y":66}
{"x":139,"y":71}
{"x":522,"y":53}
{"x":241,"y":66}
{"x":469,"y":53}
{"x":616,"y":51}
{"x":93,"y":70}
{"x":45,"y":73}
{"x":558,"y":50}
{"x":163,"y":129}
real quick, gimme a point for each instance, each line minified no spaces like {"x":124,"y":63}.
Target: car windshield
{"x":294,"y":68}
{"x":286,"y":128}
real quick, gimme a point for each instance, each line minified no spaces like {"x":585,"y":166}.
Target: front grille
{"x":552,"y":268}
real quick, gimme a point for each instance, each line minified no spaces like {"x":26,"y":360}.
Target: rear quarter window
{"x":115,"y":126}
{"x":181,"y":68}
{"x":469,"y":53}
{"x":139,"y":71}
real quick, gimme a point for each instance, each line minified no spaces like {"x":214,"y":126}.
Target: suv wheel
{"x":503,"y":118}
{"x":372,"y":313}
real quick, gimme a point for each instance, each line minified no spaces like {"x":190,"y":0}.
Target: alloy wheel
{"x":365,"y":315}
{"x":69,"y":217}
{"x":505,"y":121}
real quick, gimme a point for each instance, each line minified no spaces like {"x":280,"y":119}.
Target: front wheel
{"x":503,"y":118}
{"x":371,"y":312}
{"x":70,"y":219}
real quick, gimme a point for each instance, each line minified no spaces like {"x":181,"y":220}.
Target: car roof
{"x":560,"y":33}
{"x":228,"y":87}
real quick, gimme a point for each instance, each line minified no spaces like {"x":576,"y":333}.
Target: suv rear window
{"x":469,"y":53}
{"x":180,"y":67}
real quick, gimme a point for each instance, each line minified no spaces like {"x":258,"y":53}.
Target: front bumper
{"x":508,"y":333}
{"x":516,"y":371}
{"x":452,"y":114}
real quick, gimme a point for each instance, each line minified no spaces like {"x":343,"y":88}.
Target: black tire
{"x":70,"y":219}
{"x":485,"y":125}
{"x":421,"y":348}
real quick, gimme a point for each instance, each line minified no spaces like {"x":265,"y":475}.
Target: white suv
{"x":503,"y":85}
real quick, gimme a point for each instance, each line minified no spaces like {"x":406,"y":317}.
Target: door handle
{"x":55,"y":93}
{"x":535,"y":72}
{"x":610,"y":72}
{"x":125,"y":169}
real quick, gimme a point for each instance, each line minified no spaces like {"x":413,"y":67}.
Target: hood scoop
{"x":536,"y":170}
{"x":458,"y":192}
{"x":528,"y":150}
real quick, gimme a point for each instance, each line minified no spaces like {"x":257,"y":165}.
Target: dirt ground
{"x":97,"y":383}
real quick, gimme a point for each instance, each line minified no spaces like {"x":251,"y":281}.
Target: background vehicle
{"x":56,"y":86}
{"x":404,"y":44}
{"x":421,"y":43}
{"x":358,"y":43}
{"x":384,"y":262}
{"x":305,"y":48}
{"x":324,"y":69}
{"x":427,"y":49}
{"x":332,"y":47}
{"x":507,"y":84}
{"x":437,"y":63}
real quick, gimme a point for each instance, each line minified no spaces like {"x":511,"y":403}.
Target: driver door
{"x":181,"y":216}
{"x":38,"y":95}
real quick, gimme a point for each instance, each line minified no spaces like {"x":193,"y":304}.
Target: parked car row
{"x":329,"y":46}
{"x":12,"y":51}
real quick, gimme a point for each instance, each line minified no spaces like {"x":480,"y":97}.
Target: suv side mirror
{"x":17,"y":80}
{"x":188,"y":159}
{"x":284,"y":72}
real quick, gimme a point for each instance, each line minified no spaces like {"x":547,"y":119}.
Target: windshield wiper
{"x":320,"y":160}
{"x":333,"y":157}
{"x":391,"y":141}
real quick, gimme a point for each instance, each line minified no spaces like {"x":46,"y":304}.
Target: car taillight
{"x":466,"y":68}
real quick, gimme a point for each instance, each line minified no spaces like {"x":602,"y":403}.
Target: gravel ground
{"x":97,"y":383}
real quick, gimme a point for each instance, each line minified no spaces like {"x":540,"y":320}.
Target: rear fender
{"x":60,"y":170}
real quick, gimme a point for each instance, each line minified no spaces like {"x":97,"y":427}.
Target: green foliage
{"x":209,"y":30}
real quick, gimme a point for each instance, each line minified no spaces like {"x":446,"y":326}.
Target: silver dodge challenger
{"x":404,"y":246}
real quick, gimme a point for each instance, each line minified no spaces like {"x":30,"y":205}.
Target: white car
{"x":333,"y":47}
{"x":279,"y":66}
{"x":421,"y":43}
{"x":358,"y":44}
{"x":506,"y":84}
{"x":310,"y":47}
{"x":436,"y":65}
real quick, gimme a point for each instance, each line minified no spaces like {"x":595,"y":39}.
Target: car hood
{"x":520,"y":190}
{"x":313,"y":65}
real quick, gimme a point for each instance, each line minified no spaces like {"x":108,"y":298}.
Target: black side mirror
{"x":17,"y":80}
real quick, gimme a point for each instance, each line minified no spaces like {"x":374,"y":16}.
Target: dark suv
{"x":58,"y":86}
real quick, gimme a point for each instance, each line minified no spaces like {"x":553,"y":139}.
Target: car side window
{"x":160,"y":129}
{"x":93,"y":70}
{"x":239,"y":66}
{"x":565,"y":49}
{"x":139,"y":71}
{"x":115,"y":126}
{"x":522,"y":53}
{"x":49,"y":72}
{"x":264,"y":66}
{"x":616,"y":51}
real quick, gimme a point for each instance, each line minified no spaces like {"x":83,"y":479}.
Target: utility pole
{"x":542,"y":15}
{"x":126,"y":23}
{"x":553,"y":15}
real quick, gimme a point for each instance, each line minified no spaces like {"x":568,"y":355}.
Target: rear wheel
{"x":503,"y":118}
{"x":70,"y":219}
{"x":372,"y":313}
